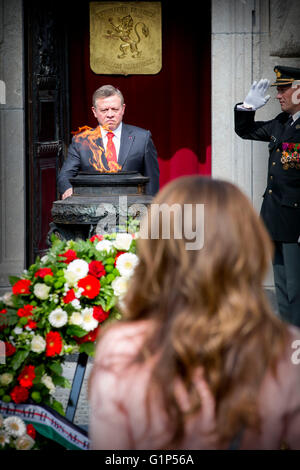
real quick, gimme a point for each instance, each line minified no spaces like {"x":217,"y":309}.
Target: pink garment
{"x":118,"y":417}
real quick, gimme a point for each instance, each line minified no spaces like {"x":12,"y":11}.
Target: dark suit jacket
{"x":137,"y":153}
{"x":281,"y":205}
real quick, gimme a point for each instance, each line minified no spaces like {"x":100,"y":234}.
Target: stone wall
{"x":249,"y":37}
{"x":12,"y":148}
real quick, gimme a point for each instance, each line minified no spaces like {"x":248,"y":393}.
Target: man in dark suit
{"x":281,"y":205}
{"x":111,"y":146}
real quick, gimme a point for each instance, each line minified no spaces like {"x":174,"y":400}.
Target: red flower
{"x":19,"y":394}
{"x":91,"y":286}
{"x":91,"y":336}
{"x":70,"y":295}
{"x":21,"y":287}
{"x":3,"y":311}
{"x":99,"y":314}
{"x":32,"y":324}
{"x":31,"y":431}
{"x":44,"y":272}
{"x":97,"y":269}
{"x":9,"y":349}
{"x":26,"y":377}
{"x":26,"y":311}
{"x":54,"y":343}
{"x":117,"y":256}
{"x":70,"y":255}
{"x":96,"y":237}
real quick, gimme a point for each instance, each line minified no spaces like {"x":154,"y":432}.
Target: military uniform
{"x":281,"y":205}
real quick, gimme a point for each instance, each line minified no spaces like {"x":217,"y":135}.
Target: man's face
{"x":109,"y":112}
{"x":288,"y":97}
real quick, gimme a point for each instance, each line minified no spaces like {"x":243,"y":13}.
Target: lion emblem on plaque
{"x":129,"y":35}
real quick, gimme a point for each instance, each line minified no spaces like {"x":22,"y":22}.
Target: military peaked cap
{"x":285,"y":75}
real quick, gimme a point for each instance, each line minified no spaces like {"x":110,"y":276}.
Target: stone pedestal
{"x":101,"y":203}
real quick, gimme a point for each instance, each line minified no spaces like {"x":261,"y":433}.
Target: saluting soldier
{"x":281,"y":205}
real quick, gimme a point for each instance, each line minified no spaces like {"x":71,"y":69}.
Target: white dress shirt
{"x":116,"y":138}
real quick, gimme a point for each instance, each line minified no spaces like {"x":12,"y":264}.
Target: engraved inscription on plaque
{"x":125,"y":37}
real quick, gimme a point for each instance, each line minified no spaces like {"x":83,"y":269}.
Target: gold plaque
{"x":125,"y":38}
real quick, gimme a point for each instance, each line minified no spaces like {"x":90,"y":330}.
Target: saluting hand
{"x":256,"y":97}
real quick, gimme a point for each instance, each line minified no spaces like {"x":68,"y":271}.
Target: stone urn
{"x":101,"y":203}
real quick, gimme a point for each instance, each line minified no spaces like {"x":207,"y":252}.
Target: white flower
{"x":17,"y":330}
{"x":71,"y":278}
{"x":78,"y":293}
{"x":4,"y":439}
{"x":79,"y":268}
{"x":14,"y":426}
{"x":76,"y":304}
{"x":24,"y":442}
{"x":120,"y":285}
{"x":6,"y":379}
{"x":104,"y":245}
{"x":44,"y":259}
{"x":7,"y":299}
{"x":76,"y":319}
{"x":58,"y":318}
{"x":38,"y":344}
{"x":126,"y":264}
{"x":123,"y":241}
{"x":89,"y":323}
{"x":47,"y":381}
{"x":41,"y":291}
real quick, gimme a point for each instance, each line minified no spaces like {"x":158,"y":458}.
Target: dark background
{"x":174,"y":104}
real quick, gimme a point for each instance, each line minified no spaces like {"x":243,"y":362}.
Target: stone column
{"x":12,"y":177}
{"x":249,"y":37}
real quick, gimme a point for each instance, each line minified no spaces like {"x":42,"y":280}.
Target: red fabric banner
{"x":175,"y":104}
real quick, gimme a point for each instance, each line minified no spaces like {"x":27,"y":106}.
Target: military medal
{"x":290,"y":157}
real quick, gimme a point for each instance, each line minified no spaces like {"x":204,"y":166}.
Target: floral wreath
{"x":57,"y":307}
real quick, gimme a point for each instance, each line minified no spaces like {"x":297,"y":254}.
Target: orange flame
{"x":88,"y":137}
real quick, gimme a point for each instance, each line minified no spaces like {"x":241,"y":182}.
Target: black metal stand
{"x":76,"y":386}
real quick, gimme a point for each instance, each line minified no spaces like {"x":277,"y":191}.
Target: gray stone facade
{"x":12,"y":146}
{"x":249,"y":37}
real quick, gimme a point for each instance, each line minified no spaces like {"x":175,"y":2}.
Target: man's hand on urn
{"x":67,"y":193}
{"x":256,"y":97}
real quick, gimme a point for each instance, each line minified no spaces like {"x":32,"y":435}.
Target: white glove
{"x":255,"y":98}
